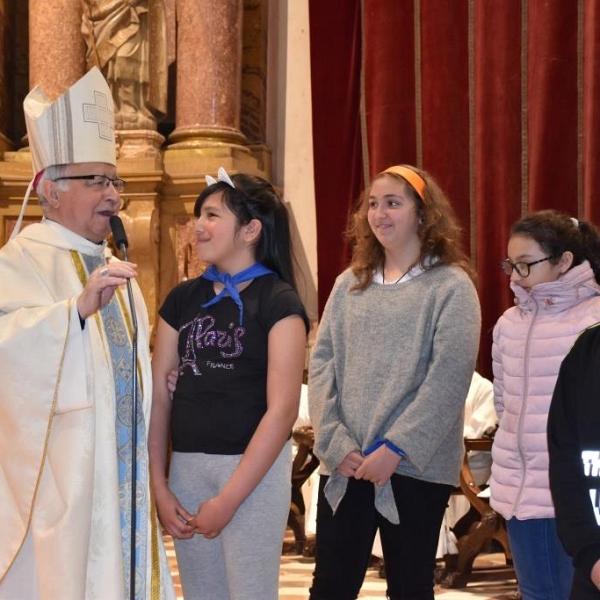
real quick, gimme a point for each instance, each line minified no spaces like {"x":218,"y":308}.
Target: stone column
{"x":56,"y":47}
{"x":209,"y":71}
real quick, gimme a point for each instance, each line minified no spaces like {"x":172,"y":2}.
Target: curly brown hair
{"x":439,"y":232}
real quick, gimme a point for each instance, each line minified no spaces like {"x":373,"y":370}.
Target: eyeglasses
{"x":522,"y":268}
{"x":98,"y":182}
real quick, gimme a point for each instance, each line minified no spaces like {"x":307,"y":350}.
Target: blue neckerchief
{"x":230,"y":283}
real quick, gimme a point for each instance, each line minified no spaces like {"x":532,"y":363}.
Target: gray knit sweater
{"x":395,"y":362}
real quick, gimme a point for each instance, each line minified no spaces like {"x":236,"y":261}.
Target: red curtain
{"x":498,"y":155}
{"x":335,"y":38}
{"x":591,"y":114}
{"x":498,"y":99}
{"x":389,"y":92}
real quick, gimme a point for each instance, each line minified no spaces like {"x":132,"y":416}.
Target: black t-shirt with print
{"x":221,"y":391}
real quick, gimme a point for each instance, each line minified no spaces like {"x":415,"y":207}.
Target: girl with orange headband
{"x":389,"y":375}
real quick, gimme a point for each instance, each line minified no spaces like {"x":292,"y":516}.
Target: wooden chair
{"x":487,"y":526}
{"x":304,"y":465}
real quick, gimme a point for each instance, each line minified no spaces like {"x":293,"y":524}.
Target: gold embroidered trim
{"x":83,"y":278}
{"x":155,"y":558}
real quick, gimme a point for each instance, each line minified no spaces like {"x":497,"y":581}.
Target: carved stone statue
{"x":127,"y":41}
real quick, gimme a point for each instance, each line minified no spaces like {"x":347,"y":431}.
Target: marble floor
{"x":296,"y":570}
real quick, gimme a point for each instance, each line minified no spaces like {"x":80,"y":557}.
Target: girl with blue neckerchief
{"x":237,"y":337}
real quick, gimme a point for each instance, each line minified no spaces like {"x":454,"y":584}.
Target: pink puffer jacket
{"x":530,"y":341}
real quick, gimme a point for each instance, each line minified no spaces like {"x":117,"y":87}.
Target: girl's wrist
{"x":230,"y":500}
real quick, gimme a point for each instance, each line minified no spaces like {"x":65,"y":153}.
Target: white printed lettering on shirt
{"x":591,"y":463}
{"x":594,"y":498}
{"x":218,"y":365}
{"x":591,"y":468}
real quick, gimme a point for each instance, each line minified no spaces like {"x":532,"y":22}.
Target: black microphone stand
{"x":134,"y":420}
{"x":121,"y":242}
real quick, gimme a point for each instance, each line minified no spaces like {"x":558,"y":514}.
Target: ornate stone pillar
{"x":209,"y":88}
{"x":209,"y":67}
{"x":56,"y":66}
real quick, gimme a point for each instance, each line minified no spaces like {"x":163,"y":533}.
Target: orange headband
{"x":415,"y":180}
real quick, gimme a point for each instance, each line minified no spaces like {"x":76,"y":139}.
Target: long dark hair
{"x":556,"y":232}
{"x":254,"y":198}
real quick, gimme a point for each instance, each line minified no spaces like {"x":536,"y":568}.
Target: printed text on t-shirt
{"x":201,"y":334}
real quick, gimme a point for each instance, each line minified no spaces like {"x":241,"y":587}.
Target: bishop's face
{"x":82,"y":205}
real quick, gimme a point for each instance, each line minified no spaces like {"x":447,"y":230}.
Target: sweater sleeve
{"x":333,"y":440}
{"x":439,"y":402}
{"x":575,"y":517}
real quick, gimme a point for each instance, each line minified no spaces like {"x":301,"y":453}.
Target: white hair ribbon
{"x":575,"y":222}
{"x":222,"y":176}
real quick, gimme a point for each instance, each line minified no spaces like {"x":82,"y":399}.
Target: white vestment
{"x":59,"y":492}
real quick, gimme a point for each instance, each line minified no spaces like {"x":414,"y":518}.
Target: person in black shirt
{"x":574,"y":448}
{"x":237,"y":336}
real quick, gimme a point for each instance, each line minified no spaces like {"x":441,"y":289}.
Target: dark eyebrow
{"x":387,"y":196}
{"x":522,"y":258}
{"x":213,"y":207}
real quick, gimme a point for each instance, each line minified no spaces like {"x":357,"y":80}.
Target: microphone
{"x":119,"y":235}
{"x":120,"y":239}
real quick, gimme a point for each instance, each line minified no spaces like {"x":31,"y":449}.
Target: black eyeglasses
{"x":98,"y":182}
{"x":522,"y":268}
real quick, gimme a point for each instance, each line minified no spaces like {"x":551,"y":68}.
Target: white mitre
{"x":77,"y":127}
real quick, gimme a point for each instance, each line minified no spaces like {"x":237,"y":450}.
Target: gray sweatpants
{"x":242,"y":563}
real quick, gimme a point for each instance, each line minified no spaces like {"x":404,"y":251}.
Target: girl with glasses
{"x":554,"y":268}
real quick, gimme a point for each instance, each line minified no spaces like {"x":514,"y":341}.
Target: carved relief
{"x":126,"y":40}
{"x":188,"y":263}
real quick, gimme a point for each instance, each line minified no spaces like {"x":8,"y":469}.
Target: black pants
{"x":344,"y":540}
{"x":583,"y":588}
